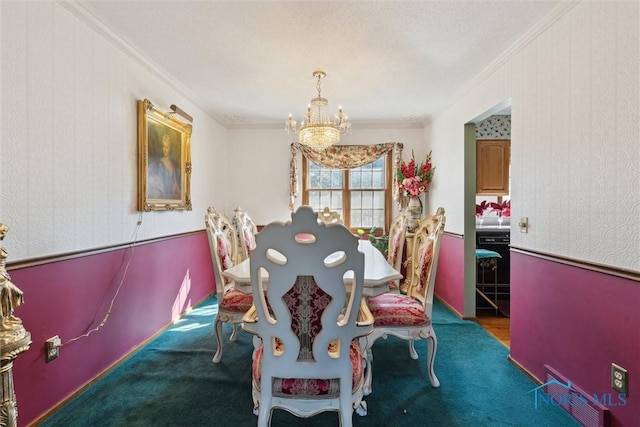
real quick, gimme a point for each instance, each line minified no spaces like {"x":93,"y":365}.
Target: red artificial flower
{"x":481,"y":208}
{"x":503,"y":209}
{"x":414,"y":180}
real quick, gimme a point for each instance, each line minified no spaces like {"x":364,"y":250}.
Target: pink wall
{"x":578,"y":322}
{"x":575,"y":320}
{"x":67,"y":298}
{"x":450,"y":274}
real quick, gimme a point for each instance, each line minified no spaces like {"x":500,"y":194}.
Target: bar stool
{"x":487,"y":259}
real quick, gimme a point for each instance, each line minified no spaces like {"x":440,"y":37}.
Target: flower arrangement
{"x":413,"y":179}
{"x":483,"y":206}
{"x":503,"y":210}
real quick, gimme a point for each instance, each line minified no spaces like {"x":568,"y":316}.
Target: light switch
{"x":524,"y":224}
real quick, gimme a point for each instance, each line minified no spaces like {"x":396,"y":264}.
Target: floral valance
{"x":343,"y":157}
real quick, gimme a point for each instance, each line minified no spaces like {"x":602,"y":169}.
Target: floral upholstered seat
{"x":409,"y":316}
{"x":232,"y":304}
{"x":308,"y":358}
{"x":397,"y":310}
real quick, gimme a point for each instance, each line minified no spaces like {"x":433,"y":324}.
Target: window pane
{"x":366,"y":180}
{"x":314,"y":199}
{"x":367,"y":207}
{"x":337,"y":179}
{"x":369,"y":176}
{"x":378,"y":200}
{"x":325,"y":199}
{"x":356,"y":200}
{"x":378,"y":218}
{"x":336,"y":201}
{"x":356,"y":219}
{"x":325,"y":179}
{"x":314,"y":178}
{"x":368,"y":194}
{"x":367,"y":200}
{"x":377,"y":180}
{"x":356,"y":209}
{"x":367,"y":218}
{"x":356,"y":178}
{"x":378,"y":164}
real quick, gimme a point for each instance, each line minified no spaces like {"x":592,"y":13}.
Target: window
{"x":362,"y":195}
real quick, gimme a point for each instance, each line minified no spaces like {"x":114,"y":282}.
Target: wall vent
{"x":576,"y":402}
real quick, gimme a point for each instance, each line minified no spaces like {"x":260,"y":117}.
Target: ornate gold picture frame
{"x":164,"y":160}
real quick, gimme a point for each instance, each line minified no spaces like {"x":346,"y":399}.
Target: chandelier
{"x":317,"y":130}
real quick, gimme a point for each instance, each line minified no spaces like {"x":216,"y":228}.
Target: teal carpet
{"x":172,"y":382}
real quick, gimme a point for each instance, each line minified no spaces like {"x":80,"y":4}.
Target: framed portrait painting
{"x":164,"y":156}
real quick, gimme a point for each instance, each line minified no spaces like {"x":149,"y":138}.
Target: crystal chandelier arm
{"x":290,"y":124}
{"x":340,"y":116}
{"x":308,"y":114}
{"x":317,"y":129}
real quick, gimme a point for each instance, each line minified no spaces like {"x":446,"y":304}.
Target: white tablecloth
{"x":377,"y":272}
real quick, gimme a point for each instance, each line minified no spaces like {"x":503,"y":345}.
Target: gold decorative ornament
{"x":14,"y":339}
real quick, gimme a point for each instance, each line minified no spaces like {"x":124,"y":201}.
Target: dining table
{"x":377,"y":272}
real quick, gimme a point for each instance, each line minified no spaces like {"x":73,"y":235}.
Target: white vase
{"x":415,"y":213}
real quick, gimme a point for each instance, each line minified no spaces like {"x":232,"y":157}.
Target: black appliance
{"x":497,"y":240}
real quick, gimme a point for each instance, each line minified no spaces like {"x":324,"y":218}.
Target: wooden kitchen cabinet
{"x":492,"y":166}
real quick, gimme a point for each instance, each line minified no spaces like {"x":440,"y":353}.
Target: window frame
{"x":346,"y":193}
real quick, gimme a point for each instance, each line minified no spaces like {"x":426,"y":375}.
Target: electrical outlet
{"x":52,"y":348}
{"x":618,"y":378}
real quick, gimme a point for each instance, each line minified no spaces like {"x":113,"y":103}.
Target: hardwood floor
{"x":498,"y":326}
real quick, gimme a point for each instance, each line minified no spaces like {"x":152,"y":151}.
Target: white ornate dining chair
{"x":308,"y":359}
{"x":397,"y":238}
{"x":329,"y":217}
{"x":409,"y":316}
{"x":232,"y":304}
{"x":246,"y":230}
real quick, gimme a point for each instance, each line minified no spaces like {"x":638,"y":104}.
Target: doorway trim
{"x":469,"y":203}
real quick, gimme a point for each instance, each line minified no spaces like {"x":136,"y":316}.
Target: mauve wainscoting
{"x":577,"y":321}
{"x":450,"y":274}
{"x":67,"y":298}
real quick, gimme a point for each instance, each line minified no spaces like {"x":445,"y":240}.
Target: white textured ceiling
{"x":388,"y":63}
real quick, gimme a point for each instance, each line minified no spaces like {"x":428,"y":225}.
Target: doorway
{"x":490,"y":310}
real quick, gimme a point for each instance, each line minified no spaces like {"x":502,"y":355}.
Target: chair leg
{"x":346,"y":410}
{"x":264,"y":414}
{"x":432,"y":346}
{"x":412,"y":350}
{"x":361,"y":409}
{"x":255,"y":394}
{"x":368,"y":367}
{"x":234,"y":334}
{"x":218,"y":329}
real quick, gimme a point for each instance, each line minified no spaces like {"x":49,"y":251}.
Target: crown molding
{"x":82,"y":13}
{"x":558,"y":12}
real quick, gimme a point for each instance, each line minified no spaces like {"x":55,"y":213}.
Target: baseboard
{"x":450,"y":307}
{"x":524,"y":370}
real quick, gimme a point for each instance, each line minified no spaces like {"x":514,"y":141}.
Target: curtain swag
{"x":343,"y":157}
